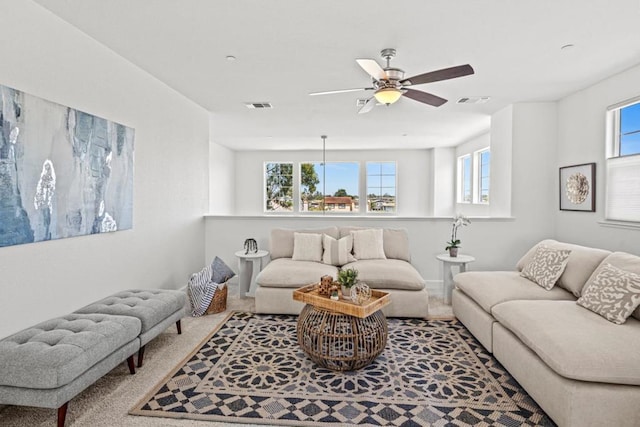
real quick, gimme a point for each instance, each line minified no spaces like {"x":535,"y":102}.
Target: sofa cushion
{"x":55,"y":352}
{"x":613,"y":293}
{"x":575,"y":342}
{"x":367,"y":244}
{"x":281,"y":242}
{"x":623,"y":261}
{"x":287,"y":273}
{"x":307,"y":247}
{"x":581,"y":263}
{"x":488,"y":288}
{"x":388,"y":274}
{"x":394,"y":240}
{"x":546,"y":266}
{"x":337,"y":251}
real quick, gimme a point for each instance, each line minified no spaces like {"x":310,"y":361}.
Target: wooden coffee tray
{"x":309,"y":295}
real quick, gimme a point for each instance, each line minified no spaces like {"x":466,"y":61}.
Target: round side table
{"x":447,"y":275}
{"x":250,"y":266}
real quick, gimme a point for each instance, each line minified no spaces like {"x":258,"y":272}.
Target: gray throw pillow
{"x":613,"y":294}
{"x":220,"y":271}
{"x":546,"y":266}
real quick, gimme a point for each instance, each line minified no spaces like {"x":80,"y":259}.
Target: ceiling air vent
{"x":473,"y":100}
{"x":361,"y":102}
{"x":258,"y":105}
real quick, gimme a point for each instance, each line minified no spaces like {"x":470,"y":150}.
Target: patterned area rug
{"x":251,"y":370}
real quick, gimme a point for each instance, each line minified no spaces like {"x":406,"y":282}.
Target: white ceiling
{"x":288,"y":48}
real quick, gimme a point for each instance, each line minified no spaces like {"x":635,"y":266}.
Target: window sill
{"x":620,"y":224}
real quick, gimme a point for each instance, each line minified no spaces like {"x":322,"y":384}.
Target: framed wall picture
{"x":578,"y":188}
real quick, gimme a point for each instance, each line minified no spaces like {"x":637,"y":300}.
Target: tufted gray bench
{"x":50,"y":363}
{"x":47,"y":365}
{"x":156,"y":309}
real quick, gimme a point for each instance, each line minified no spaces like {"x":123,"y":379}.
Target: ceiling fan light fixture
{"x":387,"y":95}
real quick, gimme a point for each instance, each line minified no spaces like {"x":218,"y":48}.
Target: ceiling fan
{"x":389,"y":83}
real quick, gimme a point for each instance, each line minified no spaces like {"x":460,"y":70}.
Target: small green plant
{"x":348,"y":277}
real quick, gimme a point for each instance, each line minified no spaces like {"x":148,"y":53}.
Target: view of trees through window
{"x":381,"y":187}
{"x":279,"y":187}
{"x":338,"y":179}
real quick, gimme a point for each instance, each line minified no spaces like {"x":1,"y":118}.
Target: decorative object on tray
{"x":453,"y":245}
{"x":325,"y":285}
{"x":347,"y":278}
{"x":334,"y":294}
{"x":360,"y":293}
{"x":250,"y":246}
{"x":578,"y":188}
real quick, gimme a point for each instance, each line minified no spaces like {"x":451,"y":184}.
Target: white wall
{"x":413,"y":175}
{"x":44,"y":56}
{"x":581,"y":135}
{"x":221,"y":179}
{"x":442,"y":192}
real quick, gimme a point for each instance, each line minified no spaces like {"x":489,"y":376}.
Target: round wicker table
{"x":341,"y":342}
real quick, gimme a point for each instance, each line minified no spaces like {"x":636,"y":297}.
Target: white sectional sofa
{"x":393,"y":273}
{"x":581,"y":368}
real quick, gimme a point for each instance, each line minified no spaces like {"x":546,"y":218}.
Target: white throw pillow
{"x":307,"y":247}
{"x":368,"y":244}
{"x":613,"y":294}
{"x":337,"y":252}
{"x":546,"y":266}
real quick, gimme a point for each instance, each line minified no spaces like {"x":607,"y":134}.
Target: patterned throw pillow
{"x":613,"y":294}
{"x":546,"y":266}
{"x":337,"y":252}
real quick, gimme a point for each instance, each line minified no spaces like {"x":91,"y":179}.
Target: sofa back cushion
{"x":395,"y":241}
{"x":282,"y":239}
{"x":581,"y":263}
{"x":623,"y":261}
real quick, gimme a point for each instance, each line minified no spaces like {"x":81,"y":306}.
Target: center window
{"x":329,"y":187}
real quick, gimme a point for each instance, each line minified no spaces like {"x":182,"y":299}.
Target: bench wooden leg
{"x":132,"y":367}
{"x":179,"y":326}
{"x":140,"y":356}
{"x":62,"y":414}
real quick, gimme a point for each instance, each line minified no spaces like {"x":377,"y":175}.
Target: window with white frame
{"x":623,"y":162}
{"x":484,"y":163}
{"x":465,"y":179}
{"x":381,"y":187}
{"x":474,"y":177}
{"x":330,"y":187}
{"x":278,"y":184}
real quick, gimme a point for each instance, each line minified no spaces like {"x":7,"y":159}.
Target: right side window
{"x":464,"y":179}
{"x":623,"y":162}
{"x":484,"y":161}
{"x":381,"y":187}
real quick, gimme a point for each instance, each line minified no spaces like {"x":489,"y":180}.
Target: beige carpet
{"x":108,"y":401}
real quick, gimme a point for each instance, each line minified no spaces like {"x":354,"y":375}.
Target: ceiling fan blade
{"x":435,"y":76}
{"x":368,"y":106}
{"x":372,"y":68}
{"x":329,"y":92}
{"x":424,"y":97}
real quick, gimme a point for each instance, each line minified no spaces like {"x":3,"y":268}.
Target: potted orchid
{"x":453,"y":245}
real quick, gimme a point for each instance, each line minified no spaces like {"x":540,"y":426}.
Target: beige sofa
{"x":582,"y":369}
{"x":395,"y":274}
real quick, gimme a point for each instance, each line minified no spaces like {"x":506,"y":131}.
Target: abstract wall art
{"x":63,"y":172}
{"x":578,"y":188}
